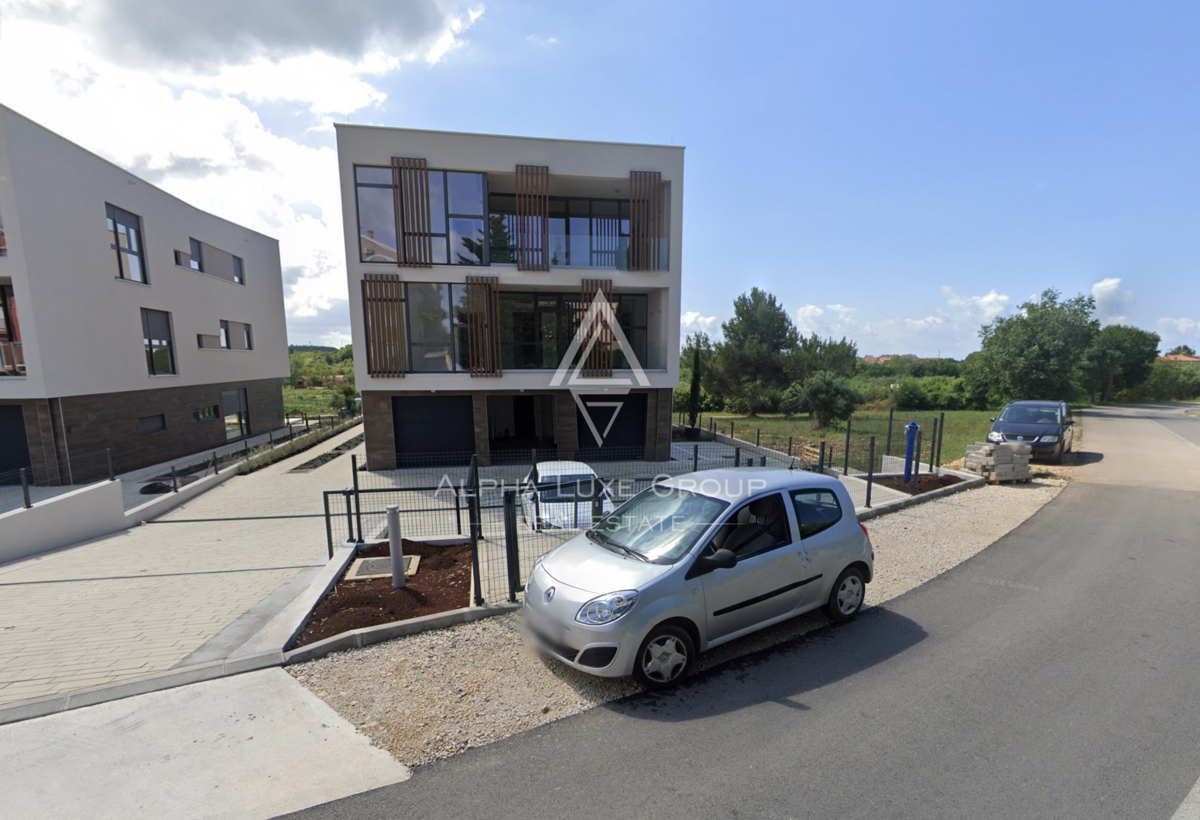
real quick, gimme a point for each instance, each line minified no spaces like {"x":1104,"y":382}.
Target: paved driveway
{"x":1056,"y":674}
{"x":142,"y":600}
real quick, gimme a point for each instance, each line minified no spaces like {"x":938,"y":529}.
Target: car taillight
{"x":864,"y":529}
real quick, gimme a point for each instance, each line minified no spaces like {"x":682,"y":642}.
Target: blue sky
{"x":898,"y":173}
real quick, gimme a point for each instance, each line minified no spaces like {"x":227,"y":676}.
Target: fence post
{"x":933,"y":444}
{"x":174,"y":479}
{"x":217,"y":467}
{"x":821,"y":462}
{"x":511,"y":547}
{"x":25,"y":487}
{"x":395,"y":546}
{"x":731,"y":433}
{"x":789,"y":446}
{"x":306,"y":427}
{"x":870,"y":470}
{"x":758,"y":437}
{"x":349,"y":516}
{"x":475,"y":525}
{"x":458,"y":509}
{"x":737,"y":456}
{"x":940,"y":436}
{"x":846,"y":462}
{"x":891,"y":413}
{"x":271,"y":437}
{"x":695,"y":457}
{"x":916,"y":479}
{"x":357,"y":502}
{"x":112,"y":474}
{"x":328,"y":524}
{"x":246,"y":446}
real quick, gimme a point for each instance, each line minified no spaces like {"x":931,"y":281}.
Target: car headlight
{"x":1048,"y":439}
{"x":995,"y":437}
{"x":607,"y":608}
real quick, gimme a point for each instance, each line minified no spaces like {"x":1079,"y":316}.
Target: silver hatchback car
{"x":694,"y":562}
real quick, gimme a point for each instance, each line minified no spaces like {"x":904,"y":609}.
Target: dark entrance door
{"x":14,"y":447}
{"x":626,"y":436}
{"x":433,"y":430}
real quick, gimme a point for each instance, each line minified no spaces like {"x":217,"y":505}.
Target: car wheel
{"x":846,"y":597}
{"x":664,"y":657}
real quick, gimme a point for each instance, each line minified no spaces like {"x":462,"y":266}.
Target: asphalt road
{"x":1054,"y":675}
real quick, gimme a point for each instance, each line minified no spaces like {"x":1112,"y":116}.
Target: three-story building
{"x":511,"y":293}
{"x":129,"y":320}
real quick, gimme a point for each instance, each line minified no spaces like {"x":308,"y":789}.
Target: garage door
{"x":626,"y":436}
{"x":14,"y":449}
{"x":434,"y":430}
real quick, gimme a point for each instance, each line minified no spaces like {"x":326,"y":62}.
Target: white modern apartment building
{"x":473,"y":262}
{"x":129,"y":320}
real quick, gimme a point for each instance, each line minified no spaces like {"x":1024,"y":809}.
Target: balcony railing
{"x":12,"y":359}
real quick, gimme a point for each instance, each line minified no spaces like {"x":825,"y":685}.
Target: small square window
{"x":152,"y":424}
{"x":210,"y":413}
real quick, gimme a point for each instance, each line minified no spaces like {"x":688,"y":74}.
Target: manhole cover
{"x":367,"y":568}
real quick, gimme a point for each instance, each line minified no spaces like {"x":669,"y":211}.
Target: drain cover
{"x":366,"y":568}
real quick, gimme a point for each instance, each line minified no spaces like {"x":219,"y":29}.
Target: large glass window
{"x":583,"y":232}
{"x":429,"y":327}
{"x":156,"y":333}
{"x":125,"y":238}
{"x":464,"y":212}
{"x":457,"y":229}
{"x":376,"y":215}
{"x":632,"y":313}
{"x":237,"y":414}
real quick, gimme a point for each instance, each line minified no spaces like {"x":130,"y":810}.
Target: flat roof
{"x":504,"y":136}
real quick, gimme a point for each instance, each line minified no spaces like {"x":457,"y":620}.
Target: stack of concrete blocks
{"x":1000,"y":462}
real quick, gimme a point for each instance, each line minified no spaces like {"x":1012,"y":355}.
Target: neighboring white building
{"x":129,"y":320}
{"x":471,"y":261}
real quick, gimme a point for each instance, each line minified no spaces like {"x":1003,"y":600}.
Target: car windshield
{"x":555,"y":488}
{"x":660,"y":524}
{"x":1029,"y":414}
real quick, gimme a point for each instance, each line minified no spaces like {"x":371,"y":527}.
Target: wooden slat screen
{"x":533,"y":214}
{"x":483,"y":326}
{"x":410,"y":187}
{"x":383,"y":315}
{"x":645,"y":220}
{"x":598,"y":361}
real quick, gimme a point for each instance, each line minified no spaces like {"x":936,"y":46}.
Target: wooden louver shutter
{"x":483,"y":326}
{"x":383,"y":324}
{"x":645,"y":220}
{"x":410,"y":187}
{"x":533,"y":214}
{"x":598,"y":359}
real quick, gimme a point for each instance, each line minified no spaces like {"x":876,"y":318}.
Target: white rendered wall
{"x":366,"y":145}
{"x":81,"y":325}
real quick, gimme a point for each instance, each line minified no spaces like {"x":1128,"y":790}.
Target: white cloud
{"x":693,"y":321}
{"x":808,"y":319}
{"x":1111,"y":300}
{"x":540,"y":41}
{"x":194,"y":130}
{"x":335,"y":339}
{"x":1178,"y":327}
{"x":977,"y":308}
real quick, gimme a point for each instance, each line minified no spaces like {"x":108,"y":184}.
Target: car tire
{"x":664,"y":657}
{"x":846,"y":597}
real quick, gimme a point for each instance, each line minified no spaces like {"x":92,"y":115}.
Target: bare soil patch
{"x":925,"y":484}
{"x":442,"y":583}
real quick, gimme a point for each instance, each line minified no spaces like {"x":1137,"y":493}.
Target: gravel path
{"x":436,"y":694}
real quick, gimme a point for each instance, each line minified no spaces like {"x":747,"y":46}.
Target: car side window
{"x":756,"y":527}
{"x":816,"y":511}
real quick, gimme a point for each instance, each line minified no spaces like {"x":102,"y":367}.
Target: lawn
{"x":311,"y":400}
{"x":962,"y":427}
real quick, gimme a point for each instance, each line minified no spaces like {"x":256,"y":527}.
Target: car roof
{"x":1037,"y":403}
{"x":552,"y":468}
{"x":735,"y":484}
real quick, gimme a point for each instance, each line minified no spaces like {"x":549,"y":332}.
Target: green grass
{"x":963,"y":427}
{"x":311,"y":400}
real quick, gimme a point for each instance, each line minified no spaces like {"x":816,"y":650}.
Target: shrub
{"x":832,"y":398}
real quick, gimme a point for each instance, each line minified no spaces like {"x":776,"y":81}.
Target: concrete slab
{"x":251,"y":746}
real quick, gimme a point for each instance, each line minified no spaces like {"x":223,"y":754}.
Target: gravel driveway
{"x":436,"y":694}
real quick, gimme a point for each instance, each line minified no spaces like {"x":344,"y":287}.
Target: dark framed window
{"x":125,"y":239}
{"x":210,"y":413}
{"x":249,"y":337}
{"x":160,"y":346}
{"x":376,"y":214}
{"x":236,"y":414}
{"x":239,"y":275}
{"x":431,"y":339}
{"x":756,"y":527}
{"x":152,"y":424}
{"x":225,"y":334}
{"x":816,"y":511}
{"x":583,"y":232}
{"x":633,"y":310}
{"x":197,"y":260}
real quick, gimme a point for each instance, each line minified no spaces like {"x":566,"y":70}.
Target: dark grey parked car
{"x":1045,"y":425}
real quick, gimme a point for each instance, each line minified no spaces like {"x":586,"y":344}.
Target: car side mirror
{"x":1068,"y":422}
{"x":721,"y":559}
{"x":991,"y":419}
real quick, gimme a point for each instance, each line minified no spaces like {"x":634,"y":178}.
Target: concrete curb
{"x":366,"y":636}
{"x":969,"y":482}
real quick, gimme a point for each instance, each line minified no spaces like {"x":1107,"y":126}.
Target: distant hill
{"x":311,"y":349}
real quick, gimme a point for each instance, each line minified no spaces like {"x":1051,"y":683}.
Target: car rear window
{"x":563,"y":487}
{"x":816,"y":511}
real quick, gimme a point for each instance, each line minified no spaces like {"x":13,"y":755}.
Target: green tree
{"x":750,"y":367}
{"x":812,"y":354}
{"x":1181,"y":350}
{"x":831,"y":397}
{"x":1119,"y":358}
{"x":1039,"y":353}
